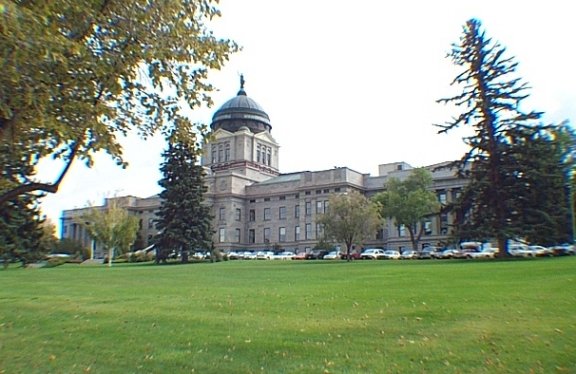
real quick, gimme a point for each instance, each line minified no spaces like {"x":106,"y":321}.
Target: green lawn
{"x":292,"y":317}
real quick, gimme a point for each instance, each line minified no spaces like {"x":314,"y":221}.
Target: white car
{"x":286,"y":255}
{"x":334,"y":255}
{"x":372,"y":254}
{"x":408,"y":254}
{"x":264,"y":255}
{"x":485,"y":253}
{"x":541,"y":251}
{"x":520,"y":250}
{"x":391,"y":254}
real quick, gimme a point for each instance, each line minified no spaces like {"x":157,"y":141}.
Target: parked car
{"x":316,"y":254}
{"x":264,"y":255}
{"x":334,"y":255}
{"x":484,"y":253}
{"x":563,"y":250}
{"x":449,"y":253}
{"x":351,"y":256}
{"x":391,"y":254}
{"x":286,"y":255}
{"x":408,"y":254}
{"x":429,"y":252}
{"x":372,"y":254}
{"x":520,"y":250}
{"x":540,"y":251}
{"x":300,"y":256}
{"x":249,"y":255}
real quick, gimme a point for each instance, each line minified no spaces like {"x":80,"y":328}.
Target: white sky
{"x":353,"y":83}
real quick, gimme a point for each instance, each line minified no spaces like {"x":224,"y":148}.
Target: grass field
{"x":292,"y":317}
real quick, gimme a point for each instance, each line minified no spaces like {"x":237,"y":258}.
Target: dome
{"x":241,"y":111}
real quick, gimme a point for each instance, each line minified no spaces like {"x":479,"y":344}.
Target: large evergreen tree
{"x":184,"y":221}
{"x":496,"y":164}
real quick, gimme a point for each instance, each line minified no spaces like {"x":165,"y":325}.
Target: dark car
{"x":316,"y":254}
{"x":351,"y":256}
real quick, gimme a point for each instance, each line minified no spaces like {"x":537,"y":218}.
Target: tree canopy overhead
{"x":79,"y":73}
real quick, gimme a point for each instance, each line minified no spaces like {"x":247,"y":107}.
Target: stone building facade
{"x":256,"y":207}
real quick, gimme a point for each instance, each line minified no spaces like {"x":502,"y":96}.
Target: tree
{"x":409,"y":202}
{"x":541,"y":168}
{"x":491,"y":100}
{"x":112,"y":227}
{"x":76,"y":74}
{"x":350,"y":219}
{"x":21,"y":231}
{"x":184,"y":221}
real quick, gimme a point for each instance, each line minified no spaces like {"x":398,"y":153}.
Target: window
{"x":297,"y":233}
{"x":337,"y":189}
{"x":401,"y":230}
{"x":266,"y":199}
{"x":222,"y":235}
{"x":222,"y":214}
{"x":227,"y":152}
{"x":282,"y":234}
{"x":267,"y":235}
{"x":308,"y":231}
{"x":282,"y":198}
{"x":319,"y":207}
{"x":282,"y":212}
{"x":318,"y":192}
{"x":251,"y":236}
{"x":258,"y":153}
{"x":444,"y":217}
{"x":252,"y":215}
{"x":326,"y":205}
{"x":238,"y":214}
{"x":269,"y":155}
{"x":252,"y":200}
{"x":326,"y":190}
{"x":237,"y":236}
{"x":319,"y":230}
{"x":428,"y":227}
{"x":214,"y":154}
{"x":307,"y":193}
{"x":220,"y":153}
{"x":442,"y":197}
{"x":308,"y":208}
{"x":297,"y":211}
{"x":266,"y":214}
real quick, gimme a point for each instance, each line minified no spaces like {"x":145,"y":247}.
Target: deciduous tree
{"x":76,"y":74}
{"x":409,"y":202}
{"x":351,"y":218}
{"x":112,"y":227}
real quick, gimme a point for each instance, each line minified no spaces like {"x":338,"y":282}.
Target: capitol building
{"x":256,"y":207}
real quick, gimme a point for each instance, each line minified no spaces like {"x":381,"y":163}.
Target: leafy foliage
{"x":510,"y":153}
{"x":350,"y":219}
{"x":78,"y":73}
{"x":184,"y":221}
{"x":112,"y":227}
{"x":409,"y":202}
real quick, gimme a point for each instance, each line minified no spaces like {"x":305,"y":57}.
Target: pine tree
{"x":491,"y":100}
{"x":184,"y":221}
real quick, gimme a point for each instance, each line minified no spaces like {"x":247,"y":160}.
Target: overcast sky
{"x":353,"y":83}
